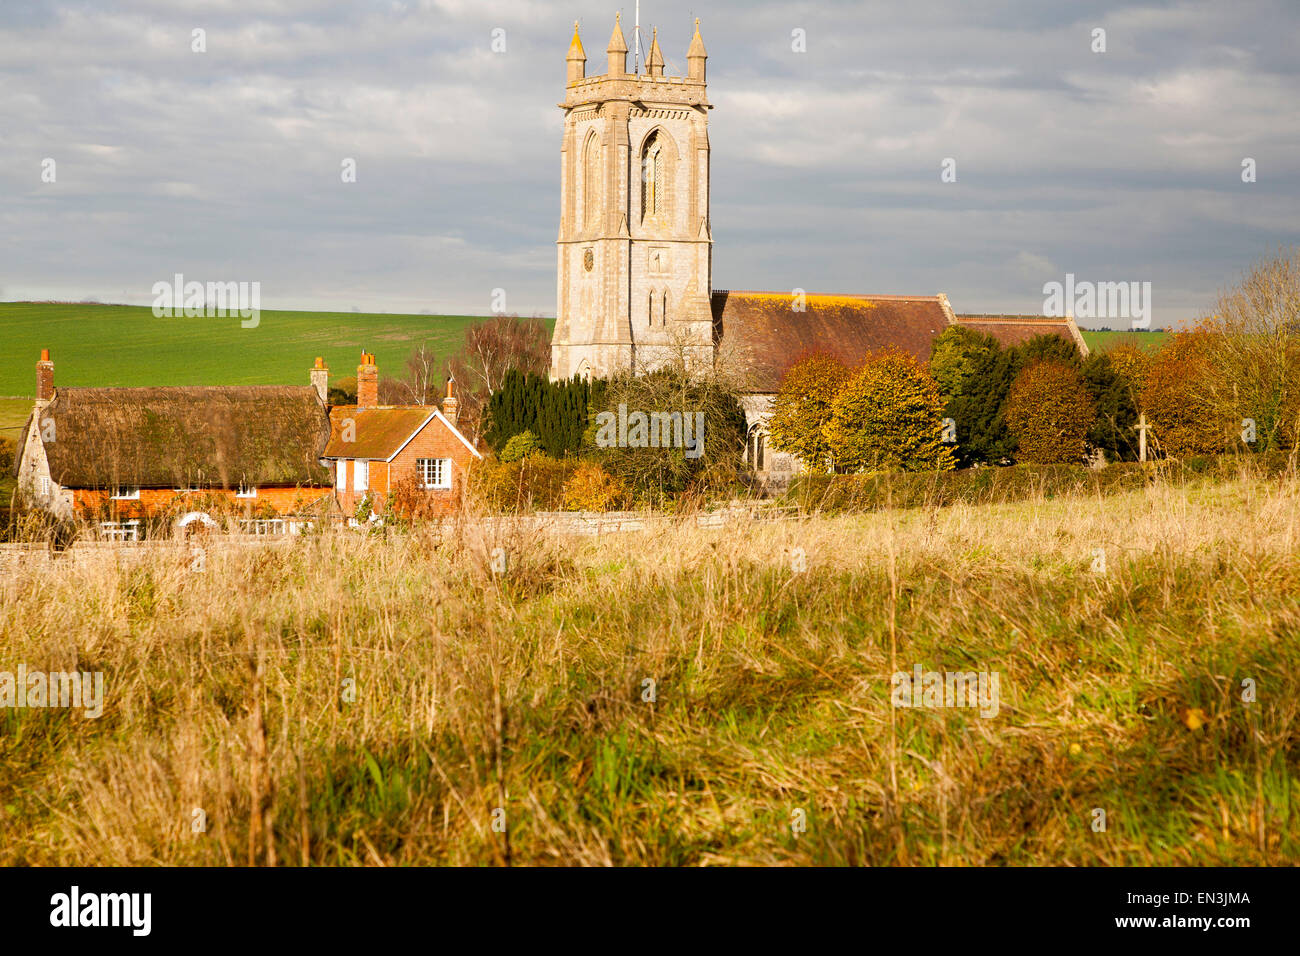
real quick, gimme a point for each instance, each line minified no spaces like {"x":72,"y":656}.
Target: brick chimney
{"x":44,"y":379}
{"x":367,"y":382}
{"x":450,"y":406}
{"x":320,"y":380}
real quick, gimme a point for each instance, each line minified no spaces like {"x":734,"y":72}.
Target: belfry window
{"x":653,"y":187}
{"x":591,"y":182}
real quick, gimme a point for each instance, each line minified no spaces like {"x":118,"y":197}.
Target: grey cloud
{"x":1124,"y":165}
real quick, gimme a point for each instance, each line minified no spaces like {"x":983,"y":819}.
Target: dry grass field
{"x":371,"y":700}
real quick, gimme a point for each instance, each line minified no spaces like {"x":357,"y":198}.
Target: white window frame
{"x":435,"y":473}
{"x":243,"y":491}
{"x":130,"y":494}
{"x":120,"y":530}
{"x":360,"y":474}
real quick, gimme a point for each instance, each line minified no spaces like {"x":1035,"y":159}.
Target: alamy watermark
{"x":53,"y":689}
{"x":215,"y":299}
{"x":1099,"y":300}
{"x":978,"y":690}
{"x":651,"y":430}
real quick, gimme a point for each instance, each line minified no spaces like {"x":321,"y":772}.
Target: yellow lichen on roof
{"x":811,"y":298}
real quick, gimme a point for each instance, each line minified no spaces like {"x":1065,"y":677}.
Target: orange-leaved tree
{"x":1049,"y":410}
{"x":889,"y":415}
{"x":1178,"y":397}
{"x":802,"y":408}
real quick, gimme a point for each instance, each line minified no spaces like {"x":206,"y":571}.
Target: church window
{"x":591,"y":181}
{"x":654,"y":192}
{"x":663,"y":311}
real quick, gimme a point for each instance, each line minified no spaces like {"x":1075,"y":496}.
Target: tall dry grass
{"x":228,"y":692}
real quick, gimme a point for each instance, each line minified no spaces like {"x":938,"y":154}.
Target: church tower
{"x":634,"y":264}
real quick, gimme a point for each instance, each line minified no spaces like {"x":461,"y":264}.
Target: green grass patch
{"x":122,"y":345}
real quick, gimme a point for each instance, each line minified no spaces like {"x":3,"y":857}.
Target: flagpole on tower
{"x":636,"y":29}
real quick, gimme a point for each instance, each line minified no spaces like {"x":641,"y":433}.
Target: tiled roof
{"x":219,"y":436}
{"x":379,"y":432}
{"x":1015,"y":329}
{"x":766,"y":335}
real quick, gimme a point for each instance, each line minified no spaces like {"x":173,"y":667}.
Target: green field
{"x":128,"y":346}
{"x":1105,"y":341}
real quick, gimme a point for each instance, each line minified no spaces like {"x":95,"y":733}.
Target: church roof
{"x":1015,"y":329}
{"x":768,"y":335}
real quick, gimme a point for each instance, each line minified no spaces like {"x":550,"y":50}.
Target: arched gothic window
{"x":654,"y":188}
{"x":591,"y":181}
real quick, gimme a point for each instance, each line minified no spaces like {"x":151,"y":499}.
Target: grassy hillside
{"x":127,"y":345}
{"x":13,"y":412}
{"x":1102,"y":341}
{"x":385,"y":699}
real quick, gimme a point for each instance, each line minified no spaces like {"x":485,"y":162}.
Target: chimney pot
{"x":367,"y":382}
{"x":320,"y":380}
{"x":44,"y":378}
{"x":450,"y":406}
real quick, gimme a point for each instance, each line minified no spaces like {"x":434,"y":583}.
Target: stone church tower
{"x":634,"y":252}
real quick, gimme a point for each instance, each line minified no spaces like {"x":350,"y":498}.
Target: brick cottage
{"x":411,"y":454}
{"x":120,"y":457}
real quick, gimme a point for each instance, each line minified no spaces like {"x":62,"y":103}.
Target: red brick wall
{"x":152,"y":501}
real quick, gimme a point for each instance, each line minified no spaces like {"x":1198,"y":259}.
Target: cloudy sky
{"x":225,"y":165}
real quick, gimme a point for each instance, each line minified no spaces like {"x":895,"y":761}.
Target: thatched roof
{"x":767,"y":334}
{"x":220,"y":437}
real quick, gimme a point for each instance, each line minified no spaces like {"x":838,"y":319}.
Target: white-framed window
{"x":120,"y":530}
{"x":246,"y":491}
{"x":341,"y":481}
{"x":126,"y":494}
{"x":434,"y":472}
{"x":360,"y":475}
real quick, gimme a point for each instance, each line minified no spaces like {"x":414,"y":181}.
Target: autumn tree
{"x":1113,"y":426}
{"x":1050,"y":411}
{"x":1179,"y":398}
{"x":1253,"y":344}
{"x":655,"y":474}
{"x":889,"y":415}
{"x":802,"y":408}
{"x":979,"y":411}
